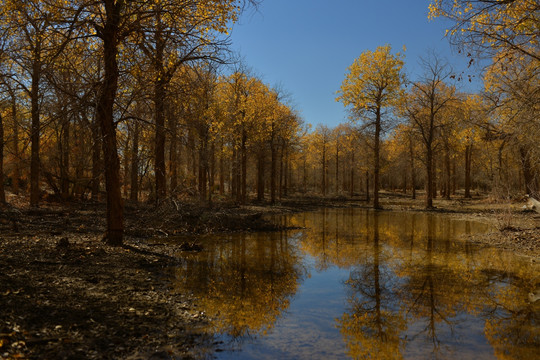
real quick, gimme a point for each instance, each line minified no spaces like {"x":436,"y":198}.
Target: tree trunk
{"x":115,"y":206}
{"x":433,"y":176}
{"x":126,"y":163}
{"x":211,"y":172}
{"x":286,"y":176}
{"x":367,"y":186}
{"x":468,"y":156}
{"x":448,"y":178}
{"x":159,"y":156}
{"x":413,"y":172}
{"x":234,"y":173}
{"x":221,"y":171}
{"x":203,"y":170}
{"x":454,"y":176}
{"x":35,"y":128}
{"x":134,"y":191}
{"x":281,"y":155}
{"x":323,"y":171}
{"x":159,"y":103}
{"x":16,"y":154}
{"x":351,"y":186}
{"x":238,"y":176}
{"x":304,"y":175}
{"x":527,"y":171}
{"x":192,"y":160}
{"x":173,"y":155}
{"x":2,"y":189}
{"x":96,"y":158}
{"x":79,"y":188}
{"x":337,"y":166}
{"x":502,"y":174}
{"x":376,"y":160}
{"x":429,"y":177}
{"x":244,"y":167}
{"x":273,"y":168}
{"x":260,"y":175}
{"x":64,"y":168}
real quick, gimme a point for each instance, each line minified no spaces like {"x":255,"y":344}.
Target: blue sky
{"x":305,"y":46}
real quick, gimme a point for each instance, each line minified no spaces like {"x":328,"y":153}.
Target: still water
{"x":354,"y":283}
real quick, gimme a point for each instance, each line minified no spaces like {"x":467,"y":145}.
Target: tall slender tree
{"x":424,"y":106}
{"x":371,"y":87}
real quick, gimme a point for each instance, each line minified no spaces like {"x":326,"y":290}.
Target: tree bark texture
{"x":115,"y":206}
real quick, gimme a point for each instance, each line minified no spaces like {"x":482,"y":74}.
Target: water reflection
{"x":372,"y":325}
{"x":409,"y":288}
{"x":244,"y":281}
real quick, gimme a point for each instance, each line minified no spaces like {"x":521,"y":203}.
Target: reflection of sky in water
{"x":356,"y":283}
{"x":304,"y":331}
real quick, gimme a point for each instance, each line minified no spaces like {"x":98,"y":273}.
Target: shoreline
{"x":65,"y":294}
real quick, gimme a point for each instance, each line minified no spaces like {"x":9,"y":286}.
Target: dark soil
{"x":66,"y":295}
{"x":74,"y":298}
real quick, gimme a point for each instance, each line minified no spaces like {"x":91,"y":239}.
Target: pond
{"x":355,"y":283}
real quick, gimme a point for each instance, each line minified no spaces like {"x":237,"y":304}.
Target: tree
{"x":250,"y":287}
{"x":2,"y":138}
{"x":2,"y":144}
{"x":240,"y":94}
{"x":321,"y":139}
{"x":492,"y":26}
{"x":371,"y":326}
{"x":38,"y":34}
{"x":424,"y":106}
{"x":114,"y":25}
{"x":371,"y":87}
{"x":169,"y":43}
{"x":512,"y":87}
{"x":350,"y":145}
{"x":402,"y":148}
{"x":203,"y":119}
{"x":471,"y":115}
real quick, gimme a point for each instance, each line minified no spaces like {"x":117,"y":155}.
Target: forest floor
{"x":66,"y":295}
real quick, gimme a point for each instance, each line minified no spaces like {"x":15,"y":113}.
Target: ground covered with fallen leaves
{"x":64,"y":294}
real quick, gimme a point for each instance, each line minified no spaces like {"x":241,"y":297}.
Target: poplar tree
{"x":371,"y":87}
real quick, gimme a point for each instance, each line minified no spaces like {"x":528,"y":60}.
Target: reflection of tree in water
{"x":410,"y":285}
{"x":372,"y":326}
{"x":512,"y":322}
{"x":436,"y":287}
{"x":445,"y":279}
{"x":335,"y":240}
{"x":246,"y":284}
{"x":513,"y":328}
